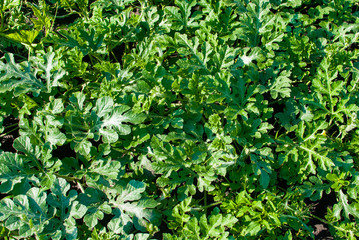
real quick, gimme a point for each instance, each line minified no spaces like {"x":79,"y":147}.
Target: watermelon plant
{"x":184,"y":119}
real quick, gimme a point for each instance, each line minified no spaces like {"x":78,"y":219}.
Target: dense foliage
{"x":178,"y":119}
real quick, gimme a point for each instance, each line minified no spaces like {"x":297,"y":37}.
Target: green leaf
{"x":18,"y":78}
{"x":93,"y":199}
{"x":224,"y":58}
{"x":94,"y":43}
{"x":132,"y":192}
{"x":52,"y":71}
{"x":14,"y":169}
{"x":67,"y":208}
{"x":104,"y":106}
{"x":25,"y":37}
{"x":107,"y":168}
{"x":55,"y":137}
{"x":217,"y":224}
{"x":108,"y":135}
{"x":132,"y":208}
{"x":8,"y":4}
{"x":179,"y":16}
{"x":42,"y":20}
{"x":190,"y":47}
{"x":314,"y":188}
{"x":180,"y":213}
{"x":343,"y":205}
{"x":24,"y":145}
{"x":78,"y":99}
{"x":83,"y":147}
{"x":116,"y":121}
{"x":27,"y":214}
{"x":253,"y":229}
{"x":213,"y":226}
{"x":281,"y":85}
{"x":192,"y":229}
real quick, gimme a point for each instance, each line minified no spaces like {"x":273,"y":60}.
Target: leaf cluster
{"x":185,"y":119}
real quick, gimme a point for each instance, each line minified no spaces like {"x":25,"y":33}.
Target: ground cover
{"x":182,"y":119}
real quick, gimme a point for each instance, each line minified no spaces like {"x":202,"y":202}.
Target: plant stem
{"x":205,"y":207}
{"x":53,"y":22}
{"x":80,"y":187}
{"x":2,"y":21}
{"x":65,"y":177}
{"x":205,"y":202}
{"x":12,"y":130}
{"x":77,"y":126}
{"x":12,"y":125}
{"x":326,"y":222}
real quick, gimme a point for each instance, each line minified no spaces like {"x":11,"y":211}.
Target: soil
{"x":321,"y":229}
{"x":321,"y":232}
{"x":7,"y":140}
